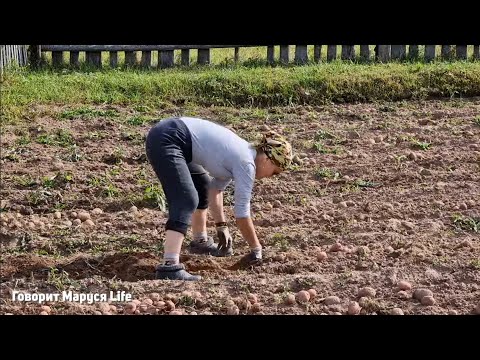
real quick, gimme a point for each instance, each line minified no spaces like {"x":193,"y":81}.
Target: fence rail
{"x":299,"y":54}
{"x":133,"y":47}
{"x":12,"y":54}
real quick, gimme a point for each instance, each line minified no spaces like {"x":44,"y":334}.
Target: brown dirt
{"x":365,"y":183}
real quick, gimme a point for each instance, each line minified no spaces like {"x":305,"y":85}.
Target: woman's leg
{"x":170,"y":166}
{"x":201,"y":242}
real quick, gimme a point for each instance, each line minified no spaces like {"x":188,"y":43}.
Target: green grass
{"x":280,"y":241}
{"x":366,"y":183}
{"x":326,"y":173}
{"x":61,"y":138}
{"x":237,"y":85}
{"x":23,"y":140}
{"x":104,"y":186}
{"x":475,"y":264}
{"x":323,"y":134}
{"x":137,"y":120}
{"x":25,"y":181}
{"x":466,"y":223}
{"x":423,"y":145}
{"x":154,"y":196}
{"x":59,"y":180}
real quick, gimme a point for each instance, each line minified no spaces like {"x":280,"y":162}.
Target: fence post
{"x":34,"y":55}
{"x":365,"y":52}
{"x":413,"y":52}
{"x":20,"y":55}
{"x":113,"y":59}
{"x":203,"y":57}
{"x":399,"y":52}
{"x":2,"y":56}
{"x":25,"y":57}
{"x":461,"y":51}
{"x":301,"y":54}
{"x":15,"y":55}
{"x":6,"y":55}
{"x":317,"y":53}
{"x":348,"y":52}
{"x":166,"y":59}
{"x":271,"y":54}
{"x":476,"y":52}
{"x":383,"y":53}
{"x":94,"y":58}
{"x":57,"y":58}
{"x":130,"y":58}
{"x":185,"y":57}
{"x":74,"y":58}
{"x":331,"y":52}
{"x":285,"y":54}
{"x":429,"y":53}
{"x":236,"y":55}
{"x":446,"y":52}
{"x":146,"y":61}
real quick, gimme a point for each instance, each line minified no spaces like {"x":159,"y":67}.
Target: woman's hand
{"x":225,"y":241}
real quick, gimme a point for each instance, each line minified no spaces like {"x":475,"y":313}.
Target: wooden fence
{"x":12,"y":55}
{"x":165,"y":54}
{"x":93,"y":54}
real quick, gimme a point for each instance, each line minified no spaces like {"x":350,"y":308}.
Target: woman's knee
{"x":186,"y":205}
{"x":181,"y":211}
{"x":201,"y":182}
{"x":191,"y":202}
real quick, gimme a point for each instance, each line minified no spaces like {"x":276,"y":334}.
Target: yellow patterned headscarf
{"x":277,"y":149}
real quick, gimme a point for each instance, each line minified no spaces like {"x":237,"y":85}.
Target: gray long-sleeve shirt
{"x":226,"y":157}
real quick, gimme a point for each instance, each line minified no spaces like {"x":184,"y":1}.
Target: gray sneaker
{"x":251,"y":259}
{"x":175,"y":272}
{"x":207,"y":247}
{"x":224,"y":251}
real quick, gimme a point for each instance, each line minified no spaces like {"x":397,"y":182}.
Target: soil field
{"x":382,"y":216}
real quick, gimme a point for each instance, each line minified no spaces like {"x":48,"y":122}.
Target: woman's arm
{"x":215,"y":201}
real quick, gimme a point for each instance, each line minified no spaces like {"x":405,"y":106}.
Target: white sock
{"x":257,"y":251}
{"x":200,"y":237}
{"x":171,"y":259}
